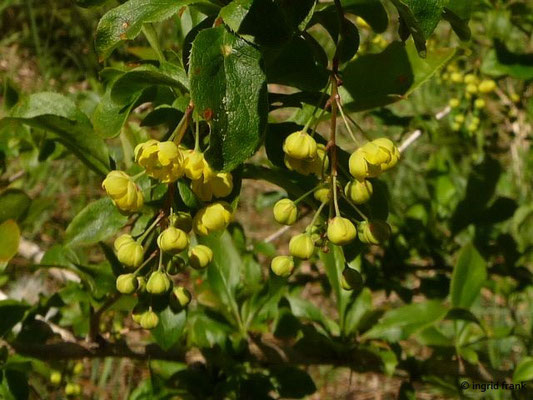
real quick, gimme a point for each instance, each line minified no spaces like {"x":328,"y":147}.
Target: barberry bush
{"x":255,"y":193}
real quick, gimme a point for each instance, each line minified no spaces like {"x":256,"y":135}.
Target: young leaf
{"x":228,"y":87}
{"x":400,"y":323}
{"x":59,"y":115}
{"x":468,"y":277}
{"x":125,"y":21}
{"x":10,"y":239}
{"x":96,"y":222}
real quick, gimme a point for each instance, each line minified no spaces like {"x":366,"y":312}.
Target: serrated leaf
{"x":98,"y":221}
{"x":375,"y":80}
{"x":125,"y":21}
{"x":400,"y":323}
{"x":228,"y":87}
{"x":468,"y":277}
{"x":14,"y":204}
{"x":10,"y":239}
{"x":59,"y":115}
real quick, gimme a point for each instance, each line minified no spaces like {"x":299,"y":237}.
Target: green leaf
{"x":420,"y":18}
{"x":128,"y":85}
{"x":468,"y":277}
{"x":17,"y":382}
{"x":12,"y":313}
{"x":302,"y":308}
{"x":294,"y":64}
{"x":96,"y":222}
{"x":224,"y":272}
{"x":10,"y":239}
{"x":14,"y":204}
{"x":169,"y":331}
{"x":228,"y":87}
{"x":59,"y":115}
{"x":334,"y":264}
{"x":501,"y":62}
{"x":400,"y":323}
{"x":375,"y":80}
{"x":357,"y":311}
{"x":125,"y":21}
{"x":458,"y":24}
{"x":524,"y":370}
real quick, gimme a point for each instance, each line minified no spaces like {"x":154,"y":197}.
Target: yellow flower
{"x":471,"y":88}
{"x":456,"y":77}
{"x":193,"y":164}
{"x":212,"y":218}
{"x":375,"y":154}
{"x":358,"y":165}
{"x":218,"y":185}
{"x":162,"y":160}
{"x":301,"y":246}
{"x":300,"y":146}
{"x":388,"y":146}
{"x":285,"y":212}
{"x":123,"y":191}
{"x":200,"y":256}
{"x":341,"y":231}
{"x":282,"y":266}
{"x":173,"y":240}
{"x":359,"y":191}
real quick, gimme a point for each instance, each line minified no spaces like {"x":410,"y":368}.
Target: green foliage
{"x":435,"y":287}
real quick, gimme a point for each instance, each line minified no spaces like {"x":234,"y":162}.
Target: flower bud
{"x":149,"y":320}
{"x":162,"y":160}
{"x":390,"y":148}
{"x":72,"y":389}
{"x":173,"y":240}
{"x":127,"y":283}
{"x":282,"y":266}
{"x":121,"y":188}
{"x":459,"y":118}
{"x":181,"y":220}
{"x":487,"y":86}
{"x":300,"y":146}
{"x":309,"y":166}
{"x":213,"y":218}
{"x":351,"y":279}
{"x":158,"y":283}
{"x":78,"y":368}
{"x":471,"y":88}
{"x":456,"y":77}
{"x":454,"y":103}
{"x":479,"y":103}
{"x":141,"y":284}
{"x":193,"y":164}
{"x":285,"y":212}
{"x":360,"y":168}
{"x":359,"y":191}
{"x":341,"y":231}
{"x":323,"y":195}
{"x":122,"y":239}
{"x":470,"y":79}
{"x":131,"y":254}
{"x":180,"y":298}
{"x":200,"y":256}
{"x":175,"y":265}
{"x":55,"y":377}
{"x":374,"y":232}
{"x":221,"y":184}
{"x":301,"y":246}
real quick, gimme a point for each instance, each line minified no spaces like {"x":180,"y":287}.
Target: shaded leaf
{"x":12,"y":313}
{"x":293,"y":382}
{"x":10,"y":239}
{"x":169,"y":331}
{"x":14,"y":204}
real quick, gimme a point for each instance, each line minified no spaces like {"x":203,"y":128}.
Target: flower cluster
{"x":367,"y":162}
{"x":167,"y":162}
